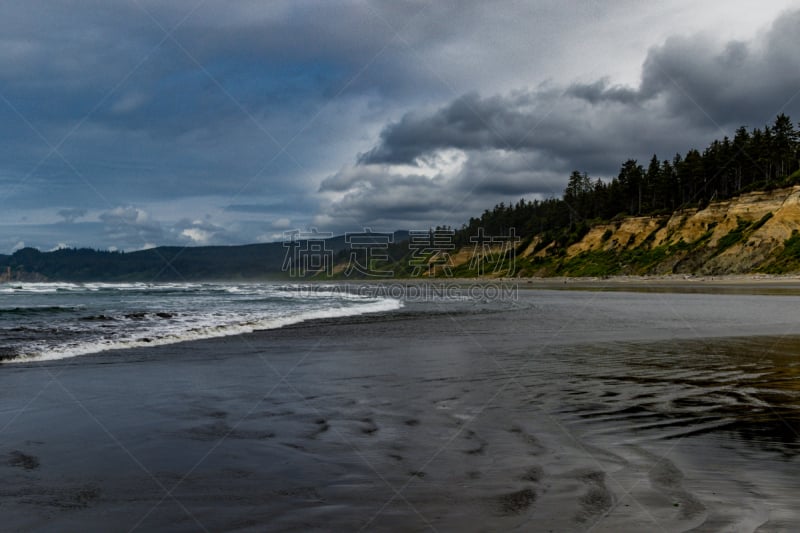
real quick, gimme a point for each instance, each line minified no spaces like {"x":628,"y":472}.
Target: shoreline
{"x":765,"y":284}
{"x":615,"y":278}
{"x":503,"y":292}
{"x":425,"y":291}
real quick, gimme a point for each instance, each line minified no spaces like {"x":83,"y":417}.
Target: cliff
{"x":755,"y":232}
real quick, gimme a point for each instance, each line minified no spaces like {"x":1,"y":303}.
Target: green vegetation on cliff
{"x":787,"y":259}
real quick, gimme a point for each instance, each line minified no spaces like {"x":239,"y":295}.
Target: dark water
{"x":52,"y":321}
{"x":554,"y":411}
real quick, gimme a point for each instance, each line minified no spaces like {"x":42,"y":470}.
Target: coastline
{"x":730,"y":283}
{"x":742,"y":283}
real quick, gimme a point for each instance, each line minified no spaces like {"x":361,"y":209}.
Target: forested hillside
{"x":761,"y":159}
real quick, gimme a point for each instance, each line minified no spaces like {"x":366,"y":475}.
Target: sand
{"x":559,"y":411}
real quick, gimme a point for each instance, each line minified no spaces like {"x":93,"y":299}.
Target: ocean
{"x":49,"y":321}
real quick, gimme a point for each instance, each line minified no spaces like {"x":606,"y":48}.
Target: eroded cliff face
{"x":741,"y":235}
{"x":730,"y":237}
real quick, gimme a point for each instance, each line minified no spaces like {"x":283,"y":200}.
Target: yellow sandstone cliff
{"x":711,"y":224}
{"x":741,"y":235}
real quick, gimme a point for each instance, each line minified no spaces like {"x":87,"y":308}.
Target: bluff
{"x":754,"y":232}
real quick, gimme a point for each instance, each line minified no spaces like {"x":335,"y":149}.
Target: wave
{"x":162,"y":288}
{"x":39,"y":288}
{"x":40,"y":309}
{"x":184,"y":331}
{"x":8,"y":353}
{"x":65,"y":287}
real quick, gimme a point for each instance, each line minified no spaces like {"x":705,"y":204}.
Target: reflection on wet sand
{"x":742,"y":388}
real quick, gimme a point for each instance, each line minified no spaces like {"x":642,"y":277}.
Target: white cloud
{"x":281,"y":223}
{"x":197,"y":235}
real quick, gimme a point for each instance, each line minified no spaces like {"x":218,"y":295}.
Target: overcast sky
{"x":132,"y":123}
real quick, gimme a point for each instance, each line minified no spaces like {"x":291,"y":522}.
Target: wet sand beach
{"x":555,"y":411}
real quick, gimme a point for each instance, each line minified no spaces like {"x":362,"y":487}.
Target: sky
{"x":128,"y":124}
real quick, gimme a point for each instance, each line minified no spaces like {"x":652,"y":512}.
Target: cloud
{"x":249,"y":208}
{"x":687,"y":82}
{"x":552,"y":124}
{"x":378,"y":196}
{"x":129,"y":216}
{"x":738,"y":82}
{"x":71,"y":214}
{"x":526,"y":142}
{"x":131,"y":227}
{"x":252,"y":106}
{"x":372,"y":195}
{"x":509,"y":174}
{"x":600,"y":91}
{"x":281,"y":223}
{"x":200,"y":232}
{"x":197,"y":235}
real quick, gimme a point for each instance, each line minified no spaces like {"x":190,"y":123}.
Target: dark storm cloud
{"x":687,"y":83}
{"x":730,"y":85}
{"x":468,"y":123}
{"x":526,"y":142}
{"x":599,"y":91}
{"x":385,"y":202}
{"x":561,"y":132}
{"x":503,"y":174}
{"x":744,"y":83}
{"x":376,"y":196}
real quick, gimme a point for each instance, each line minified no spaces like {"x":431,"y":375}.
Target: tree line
{"x":759,"y":159}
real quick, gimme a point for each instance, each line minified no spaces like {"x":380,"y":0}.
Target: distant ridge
{"x":163,"y":263}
